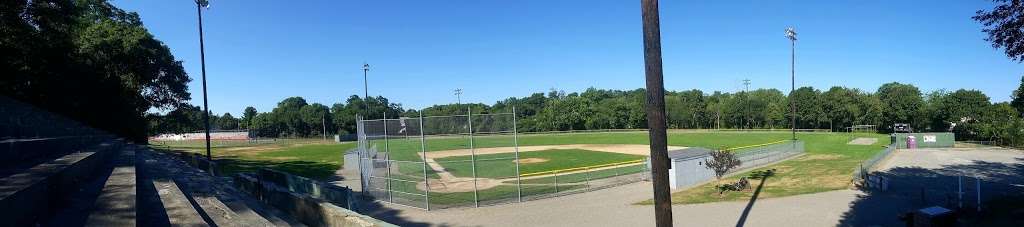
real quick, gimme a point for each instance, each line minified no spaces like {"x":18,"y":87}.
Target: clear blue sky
{"x":259,"y":52}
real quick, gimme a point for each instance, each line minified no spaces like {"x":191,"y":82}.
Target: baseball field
{"x":449,"y":165}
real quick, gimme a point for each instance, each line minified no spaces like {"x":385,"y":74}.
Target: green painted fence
{"x":925,"y":140}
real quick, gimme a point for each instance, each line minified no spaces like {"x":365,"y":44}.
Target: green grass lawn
{"x":304,"y":157}
{"x":503,"y":165}
{"x":828,"y":165}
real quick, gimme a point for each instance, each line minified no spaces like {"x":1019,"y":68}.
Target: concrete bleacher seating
{"x":65,"y":174}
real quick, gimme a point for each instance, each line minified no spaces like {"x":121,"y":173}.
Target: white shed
{"x":688,"y":168}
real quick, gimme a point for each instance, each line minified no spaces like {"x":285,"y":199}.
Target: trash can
{"x":911,"y":142}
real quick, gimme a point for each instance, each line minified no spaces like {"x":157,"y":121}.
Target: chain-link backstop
{"x":437,"y":162}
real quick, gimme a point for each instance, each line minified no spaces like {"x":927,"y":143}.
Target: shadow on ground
{"x":912,"y":188}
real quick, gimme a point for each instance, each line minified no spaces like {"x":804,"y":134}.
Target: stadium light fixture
{"x":366,"y":90}
{"x":791,"y":35}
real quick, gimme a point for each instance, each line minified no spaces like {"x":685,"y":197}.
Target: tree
{"x":227,"y":122}
{"x":64,"y":55}
{"x":1004,"y":26}
{"x":247,"y":116}
{"x":721,"y":161}
{"x":808,"y":107}
{"x":901,"y":103}
{"x":1018,"y":97}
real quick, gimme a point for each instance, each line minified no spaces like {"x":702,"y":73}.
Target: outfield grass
{"x":827,"y":165}
{"x":503,"y":166}
{"x":304,"y":157}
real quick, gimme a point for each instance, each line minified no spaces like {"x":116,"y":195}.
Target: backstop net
{"x":437,"y":162}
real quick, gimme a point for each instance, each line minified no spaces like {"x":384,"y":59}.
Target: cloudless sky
{"x":259,"y":52}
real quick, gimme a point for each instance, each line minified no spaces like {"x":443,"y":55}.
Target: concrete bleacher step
{"x":116,"y":204}
{"x":107,"y":200}
{"x":219,"y":204}
{"x":37,"y":191}
{"x":165,"y":204}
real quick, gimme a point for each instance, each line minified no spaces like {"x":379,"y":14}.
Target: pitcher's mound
{"x":863,"y":141}
{"x":531,"y":160}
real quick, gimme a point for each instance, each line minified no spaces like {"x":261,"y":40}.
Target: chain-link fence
{"x":757,"y":156}
{"x":437,"y":162}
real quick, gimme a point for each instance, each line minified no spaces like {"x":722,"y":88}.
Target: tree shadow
{"x":912,"y":188}
{"x":763,"y":176}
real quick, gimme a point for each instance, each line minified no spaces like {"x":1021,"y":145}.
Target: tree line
{"x":968,"y":113}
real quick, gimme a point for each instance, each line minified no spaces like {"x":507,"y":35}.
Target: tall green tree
{"x":901,"y":103}
{"x":247,"y":115}
{"x":1018,"y":97}
{"x":64,"y":55}
{"x":808,"y":107}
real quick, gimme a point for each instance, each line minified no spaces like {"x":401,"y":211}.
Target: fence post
{"x":387,"y":159}
{"x":362,"y":153}
{"x":423,"y":148}
{"x":587,"y":173}
{"x":960,"y":191}
{"x":978,"y":187}
{"x":556,"y":182}
{"x":515,"y":141}
{"x":476,"y":192}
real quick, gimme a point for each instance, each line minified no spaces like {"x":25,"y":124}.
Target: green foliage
{"x":1018,"y":97}
{"x":65,"y":56}
{"x":1003,"y":25}
{"x":902,"y":103}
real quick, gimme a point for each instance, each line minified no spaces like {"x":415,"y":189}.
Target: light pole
{"x":366,"y":90}
{"x":791,"y":34}
{"x":200,"y":4}
{"x":655,"y":109}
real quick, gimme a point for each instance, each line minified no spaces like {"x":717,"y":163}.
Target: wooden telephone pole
{"x":656,"y":113}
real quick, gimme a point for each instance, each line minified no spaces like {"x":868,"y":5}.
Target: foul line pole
{"x":515,"y":141}
{"x":476,"y":192}
{"x":423,"y":148}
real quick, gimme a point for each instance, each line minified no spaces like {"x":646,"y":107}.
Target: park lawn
{"x":503,"y":165}
{"x":828,"y":165}
{"x":309,"y":158}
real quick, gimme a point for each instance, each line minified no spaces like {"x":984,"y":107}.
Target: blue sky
{"x":259,"y":52}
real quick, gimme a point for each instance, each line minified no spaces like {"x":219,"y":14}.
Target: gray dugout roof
{"x":688,"y":153}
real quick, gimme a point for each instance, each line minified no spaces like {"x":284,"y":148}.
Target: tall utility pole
{"x":656,"y":112}
{"x":791,"y":34}
{"x":746,"y":84}
{"x":366,"y":90}
{"x":458,"y":96}
{"x":200,"y":4}
{"x":323,"y":120}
